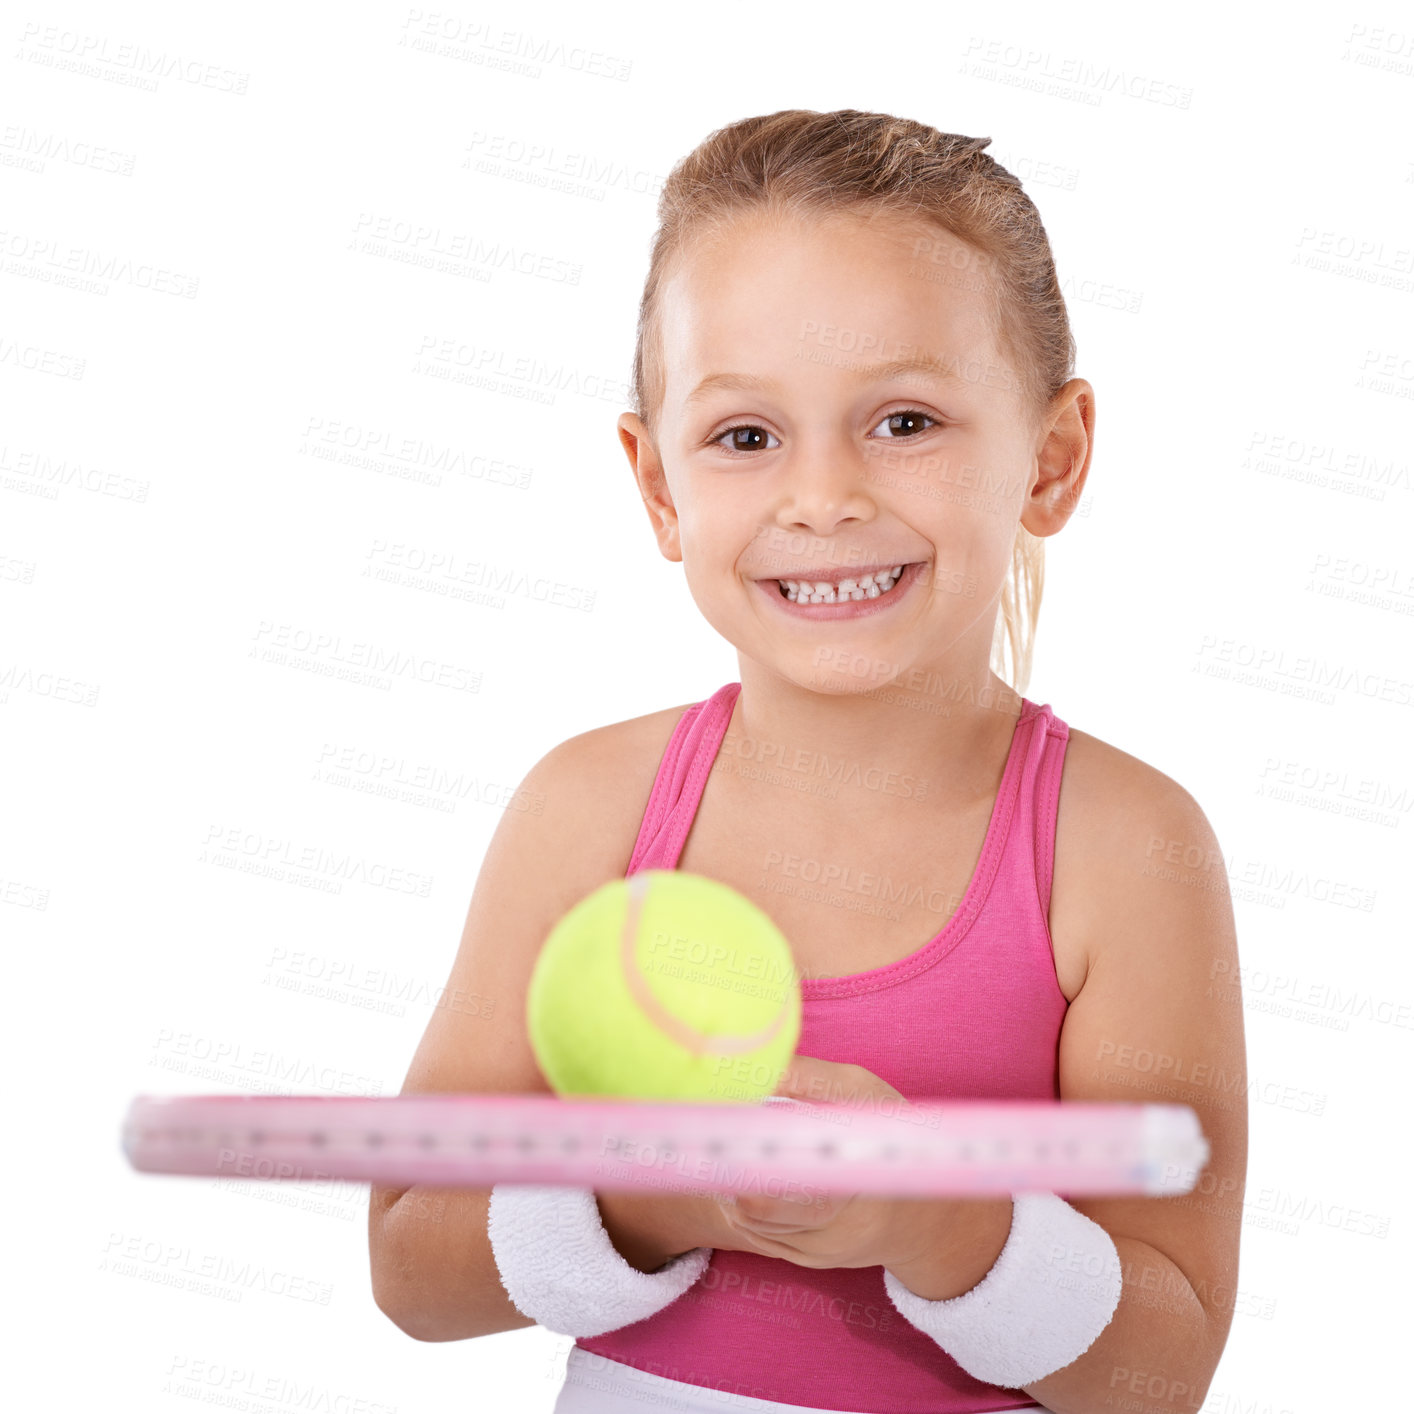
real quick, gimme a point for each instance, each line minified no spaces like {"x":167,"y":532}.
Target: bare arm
{"x":434,"y":1275}
{"x":432,"y":1269}
{"x":1159,"y":1020}
{"x":456,"y":1292}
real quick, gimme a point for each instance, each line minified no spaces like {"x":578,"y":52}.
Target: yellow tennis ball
{"x":664,"y":986}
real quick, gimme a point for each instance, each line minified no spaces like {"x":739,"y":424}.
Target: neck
{"x":929,"y":739}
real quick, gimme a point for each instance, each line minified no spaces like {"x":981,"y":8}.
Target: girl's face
{"x":788,"y":448}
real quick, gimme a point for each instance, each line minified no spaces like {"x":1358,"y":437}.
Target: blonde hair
{"x":801,"y":163}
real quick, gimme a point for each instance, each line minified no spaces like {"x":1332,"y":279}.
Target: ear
{"x":1066,"y":439}
{"x":652,"y":483}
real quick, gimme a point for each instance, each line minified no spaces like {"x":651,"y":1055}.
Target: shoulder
{"x":1114,"y":788}
{"x":1122,"y":826}
{"x":600,"y":781}
{"x":631,"y":749}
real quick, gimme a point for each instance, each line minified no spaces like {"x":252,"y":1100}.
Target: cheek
{"x":974,"y":554}
{"x":720,"y":532}
{"x":705,"y":507}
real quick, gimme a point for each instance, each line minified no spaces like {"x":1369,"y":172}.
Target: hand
{"x":649,"y":1228}
{"x":839,"y":1229}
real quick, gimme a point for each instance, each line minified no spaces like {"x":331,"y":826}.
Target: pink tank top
{"x":975,"y":1013}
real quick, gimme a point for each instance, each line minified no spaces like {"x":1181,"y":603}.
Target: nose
{"x":823,"y":489}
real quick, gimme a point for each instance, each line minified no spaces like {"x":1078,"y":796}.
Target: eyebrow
{"x":940,"y":369}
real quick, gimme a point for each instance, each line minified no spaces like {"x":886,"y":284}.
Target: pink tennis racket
{"x":968,"y":1147}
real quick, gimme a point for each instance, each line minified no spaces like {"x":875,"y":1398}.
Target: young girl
{"x":856,"y":423}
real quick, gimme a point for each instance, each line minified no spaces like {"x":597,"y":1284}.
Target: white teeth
{"x":867,"y":586}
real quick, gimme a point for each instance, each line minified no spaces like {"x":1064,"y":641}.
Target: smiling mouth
{"x":849,"y":589}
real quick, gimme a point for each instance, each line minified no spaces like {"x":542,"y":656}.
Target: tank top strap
{"x":681,"y":779}
{"x":1029,"y":853}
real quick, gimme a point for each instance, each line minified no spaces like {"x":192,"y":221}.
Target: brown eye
{"x":745,"y":437}
{"x":908,"y":422}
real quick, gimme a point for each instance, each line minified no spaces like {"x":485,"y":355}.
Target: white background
{"x":165,"y":516}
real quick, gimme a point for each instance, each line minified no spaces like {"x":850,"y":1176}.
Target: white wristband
{"x":560,"y":1268}
{"x":1050,"y":1293}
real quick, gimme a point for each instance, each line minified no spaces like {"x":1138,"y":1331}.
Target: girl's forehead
{"x":811,"y":274}
{"x":883,"y":239}
{"x":777,"y":302}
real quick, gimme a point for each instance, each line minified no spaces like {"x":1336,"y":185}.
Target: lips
{"x":834,"y":576}
{"x":845,"y":608}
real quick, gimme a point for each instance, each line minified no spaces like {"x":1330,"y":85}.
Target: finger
{"x":788,"y":1217}
{"x":788,"y":1196}
{"x":801,"y":1072}
{"x":761,"y":1232}
{"x":771,"y":1233}
{"x":787,"y":1250}
{"x":810,"y":1078}
{"x":771,"y":1218}
{"x":756,"y":1209}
